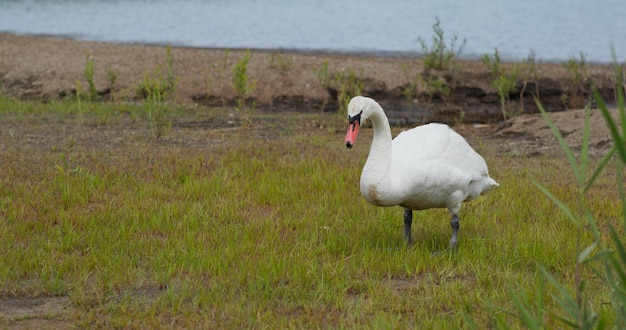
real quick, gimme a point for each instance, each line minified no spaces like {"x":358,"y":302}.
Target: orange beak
{"x":353,"y":131}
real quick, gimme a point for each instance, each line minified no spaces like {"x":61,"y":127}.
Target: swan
{"x":429,"y":166}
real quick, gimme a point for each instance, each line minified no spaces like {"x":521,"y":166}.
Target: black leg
{"x":408,"y":221}
{"x":454,"y":223}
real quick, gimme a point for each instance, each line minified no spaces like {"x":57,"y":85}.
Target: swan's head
{"x":359,"y":109}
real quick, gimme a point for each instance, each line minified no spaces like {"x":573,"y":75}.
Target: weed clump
{"x":216,"y":74}
{"x":155,"y":90}
{"x":159,"y":85}
{"x":508,"y":81}
{"x":439,"y":55}
{"x":342,"y":85}
{"x":241,"y":82}
{"x":277,"y":61}
{"x":577,"y":96}
{"x":437,"y":77}
{"x":89,"y":71}
{"x":505,"y":81}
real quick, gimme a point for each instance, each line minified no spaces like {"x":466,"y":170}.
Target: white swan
{"x":429,"y":166}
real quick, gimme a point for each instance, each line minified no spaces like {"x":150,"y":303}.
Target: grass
{"x":262,"y":225}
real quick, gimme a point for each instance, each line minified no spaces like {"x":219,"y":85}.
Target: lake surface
{"x":553,"y":30}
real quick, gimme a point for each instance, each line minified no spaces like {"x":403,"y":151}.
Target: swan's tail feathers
{"x":489,"y":185}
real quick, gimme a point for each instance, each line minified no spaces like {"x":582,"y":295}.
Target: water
{"x":554,"y":30}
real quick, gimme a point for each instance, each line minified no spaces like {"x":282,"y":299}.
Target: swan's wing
{"x":437,"y":143}
{"x":434,"y":157}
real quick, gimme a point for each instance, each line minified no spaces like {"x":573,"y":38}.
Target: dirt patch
{"x":530,"y":134}
{"x":35,"y":312}
{"x":50,"y":68}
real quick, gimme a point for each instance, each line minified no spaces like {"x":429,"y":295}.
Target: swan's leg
{"x":454,"y":223}
{"x":454,"y":240}
{"x":408,"y":221}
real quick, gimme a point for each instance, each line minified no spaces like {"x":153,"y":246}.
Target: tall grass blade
{"x":584,"y":148}
{"x":616,"y":278}
{"x":564,"y":299}
{"x":591,"y":221}
{"x":598,"y":256}
{"x":620,"y":105}
{"x":525,"y":315}
{"x":620,"y":178}
{"x":615,"y":133}
{"x":621,"y":250}
{"x":564,"y":146}
{"x":525,"y":312}
{"x":469,"y":322}
{"x":584,"y":255}
{"x":601,"y":165}
{"x":558,"y":203}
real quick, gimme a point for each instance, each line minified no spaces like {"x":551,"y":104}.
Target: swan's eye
{"x":356,"y":118}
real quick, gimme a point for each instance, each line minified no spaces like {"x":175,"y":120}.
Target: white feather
{"x":429,"y":166}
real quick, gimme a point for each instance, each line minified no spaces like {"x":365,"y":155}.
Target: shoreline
{"x":372,"y":53}
{"x":46,"y":67}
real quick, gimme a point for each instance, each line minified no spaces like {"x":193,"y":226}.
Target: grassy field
{"x":254,"y":219}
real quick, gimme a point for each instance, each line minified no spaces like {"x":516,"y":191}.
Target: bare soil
{"x":49,"y":68}
{"x":33,"y":67}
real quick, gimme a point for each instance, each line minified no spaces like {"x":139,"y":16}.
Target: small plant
{"x":342,"y":85}
{"x":169,"y":66}
{"x":89,"y":71}
{"x":155,"y":90}
{"x":79,"y":95}
{"x":157,"y":84}
{"x":221,"y":67}
{"x":277,"y":61}
{"x":579,"y":79}
{"x":410,"y":91}
{"x":214,"y":79}
{"x":620,"y":75}
{"x":349,"y":85}
{"x":528,"y":73}
{"x":322,"y":74}
{"x":66,"y":169}
{"x":439,"y":56}
{"x":505,"y":81}
{"x":505,"y":85}
{"x":113,"y":76}
{"x":157,"y":111}
{"x":324,"y":78}
{"x":241,"y":82}
{"x":460,"y":119}
{"x":434,"y":86}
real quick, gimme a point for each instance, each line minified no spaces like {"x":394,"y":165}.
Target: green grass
{"x":261,"y":225}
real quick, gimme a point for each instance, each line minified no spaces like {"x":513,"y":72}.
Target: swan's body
{"x":429,"y":166}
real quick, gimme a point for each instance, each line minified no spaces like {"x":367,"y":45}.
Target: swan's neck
{"x":376,"y":169}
